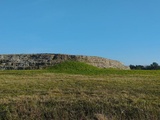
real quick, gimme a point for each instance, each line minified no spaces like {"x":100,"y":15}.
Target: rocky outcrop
{"x":39,"y":61}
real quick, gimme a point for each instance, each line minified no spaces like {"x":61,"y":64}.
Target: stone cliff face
{"x":39,"y":61}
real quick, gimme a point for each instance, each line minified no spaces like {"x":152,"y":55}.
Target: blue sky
{"x":124,"y":30}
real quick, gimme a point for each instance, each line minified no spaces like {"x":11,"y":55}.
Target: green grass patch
{"x":74,"y":67}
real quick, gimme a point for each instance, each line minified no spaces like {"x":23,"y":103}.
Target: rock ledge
{"x":39,"y":61}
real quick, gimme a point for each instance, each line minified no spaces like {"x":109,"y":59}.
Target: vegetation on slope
{"x":74,"y":67}
{"x":85,"y":93}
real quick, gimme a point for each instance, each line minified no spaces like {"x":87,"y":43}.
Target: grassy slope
{"x":86,"y":92}
{"x":73,"y":67}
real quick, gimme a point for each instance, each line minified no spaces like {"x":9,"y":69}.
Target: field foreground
{"x":107,"y":95}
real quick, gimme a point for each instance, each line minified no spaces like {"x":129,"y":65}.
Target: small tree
{"x":132,"y":67}
{"x":154,"y":66}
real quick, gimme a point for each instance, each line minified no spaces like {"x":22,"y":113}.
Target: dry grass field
{"x":76,"y":91}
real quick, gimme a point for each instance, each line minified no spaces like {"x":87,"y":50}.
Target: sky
{"x":123,"y":30}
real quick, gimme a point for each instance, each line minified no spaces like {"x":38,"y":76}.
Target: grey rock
{"x":40,"y":61}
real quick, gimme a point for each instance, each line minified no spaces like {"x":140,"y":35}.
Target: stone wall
{"x":39,"y":61}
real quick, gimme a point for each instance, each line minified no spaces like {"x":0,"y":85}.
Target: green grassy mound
{"x":74,"y":67}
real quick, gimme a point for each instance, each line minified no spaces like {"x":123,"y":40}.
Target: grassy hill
{"x":74,"y":67}
{"x":76,"y":91}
